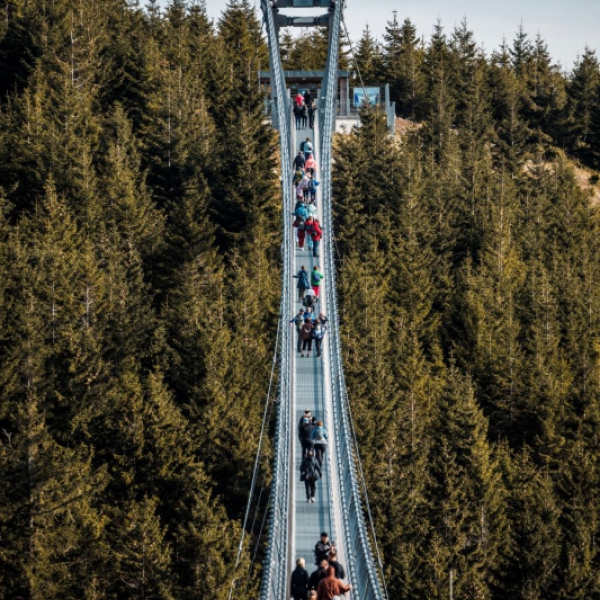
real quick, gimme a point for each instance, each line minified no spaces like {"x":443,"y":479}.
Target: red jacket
{"x":317,"y":232}
{"x":330,"y":587}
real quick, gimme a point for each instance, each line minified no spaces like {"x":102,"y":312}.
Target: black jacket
{"x":305,"y":431}
{"x":340,"y":573}
{"x":322,"y":550}
{"x":311,"y":469}
{"x":316,"y":577}
{"x":299,"y":581}
{"x":299,"y":161}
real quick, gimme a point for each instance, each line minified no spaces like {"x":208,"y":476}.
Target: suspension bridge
{"x":341,"y":507}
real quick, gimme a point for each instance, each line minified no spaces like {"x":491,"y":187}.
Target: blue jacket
{"x":301,"y":212}
{"x":303,"y":280}
{"x":318,"y":433}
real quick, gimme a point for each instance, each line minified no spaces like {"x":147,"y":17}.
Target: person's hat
{"x":301,"y":310}
{"x":324,"y":534}
{"x":307,"y":318}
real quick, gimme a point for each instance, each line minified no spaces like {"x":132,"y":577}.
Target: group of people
{"x":313,"y":439}
{"x":310,"y":328}
{"x":326,"y":582}
{"x":305,"y":109}
{"x":308,"y":291}
{"x":305,"y":212}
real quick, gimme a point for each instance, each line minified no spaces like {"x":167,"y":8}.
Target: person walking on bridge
{"x":299,"y":161}
{"x":300,"y":581}
{"x":310,"y":164}
{"x":322,"y":549}
{"x":315,"y":278}
{"x":319,"y":437}
{"x":298,"y":321}
{"x":318,"y":574}
{"x":304,"y":435}
{"x":301,"y":215}
{"x":318,"y":334}
{"x":307,"y":147}
{"x":330,"y":587}
{"x":303,"y":283}
{"x":306,"y":335}
{"x":316,"y":235}
{"x":310,"y":473}
{"x":312,"y":110}
{"x":298,"y":116}
{"x":340,"y":572}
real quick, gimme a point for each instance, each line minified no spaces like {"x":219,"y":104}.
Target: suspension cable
{"x":257,"y":458}
{"x":362,"y":83}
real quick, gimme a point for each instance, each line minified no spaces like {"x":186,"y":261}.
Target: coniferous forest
{"x":139,"y":217}
{"x":469,"y":258}
{"x":140,"y":223}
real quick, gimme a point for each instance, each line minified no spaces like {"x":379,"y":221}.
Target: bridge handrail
{"x":275,"y":570}
{"x":362,"y":572}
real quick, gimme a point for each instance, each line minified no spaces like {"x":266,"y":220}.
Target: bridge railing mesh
{"x":362,"y":572}
{"x":275,"y":570}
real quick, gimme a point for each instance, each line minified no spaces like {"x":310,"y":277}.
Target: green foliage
{"x":125,"y":328}
{"x":468,"y":259}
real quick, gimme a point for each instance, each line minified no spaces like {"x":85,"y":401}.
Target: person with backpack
{"x":315,"y":279}
{"x":311,"y":209}
{"x":300,"y":224}
{"x":318,"y":334}
{"x":299,"y":161}
{"x":310,"y":473}
{"x":304,"y":116}
{"x":298,"y":176}
{"x":298,"y":113}
{"x":298,"y":321}
{"x":304,"y":435}
{"x":300,"y":190}
{"x":308,"y":147}
{"x":309,"y":300}
{"x":310,"y":165}
{"x":300,"y":581}
{"x":319,"y":437}
{"x":308,"y":227}
{"x":307,"y":98}
{"x":299,"y":99}
{"x":312,"y":190}
{"x":303,"y":283}
{"x":306,"y":188}
{"x":316,"y":235}
{"x":306,"y":335}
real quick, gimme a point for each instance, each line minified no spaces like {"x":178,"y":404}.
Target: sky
{"x":566,"y":25}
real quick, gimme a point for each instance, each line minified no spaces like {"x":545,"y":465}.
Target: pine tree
{"x":369,"y":60}
{"x":584,"y":100}
{"x":534,"y":547}
{"x":439,"y":70}
{"x":466,"y":496}
{"x":404,"y":68}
